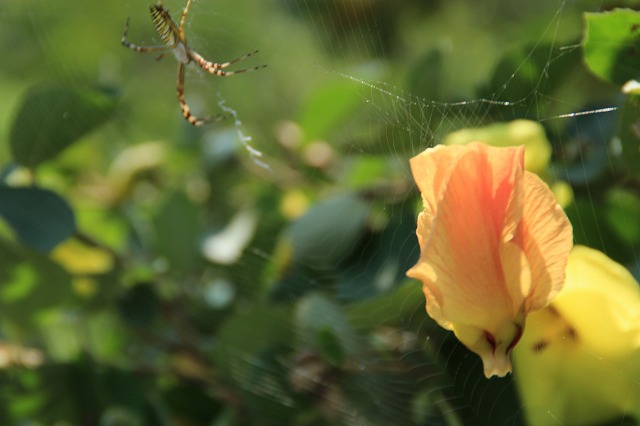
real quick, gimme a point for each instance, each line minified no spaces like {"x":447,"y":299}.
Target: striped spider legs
{"x":174,"y":39}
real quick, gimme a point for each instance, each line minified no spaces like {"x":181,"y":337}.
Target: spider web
{"x":399,"y":90}
{"x":402,"y":119}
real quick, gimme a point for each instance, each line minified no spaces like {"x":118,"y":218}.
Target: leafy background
{"x":154,"y":273}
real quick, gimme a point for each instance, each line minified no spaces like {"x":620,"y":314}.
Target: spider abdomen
{"x":164,"y":25}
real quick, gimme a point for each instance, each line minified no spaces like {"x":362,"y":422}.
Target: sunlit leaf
{"x":365,"y":170}
{"x":611,"y":45}
{"x":226,"y":245}
{"x":32,"y":283}
{"x":327,"y":107}
{"x":78,"y":258}
{"x":39,"y":217}
{"x":52,"y":117}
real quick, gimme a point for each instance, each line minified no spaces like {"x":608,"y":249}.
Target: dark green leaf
{"x":523,"y":71}
{"x":318,"y":242}
{"x":330,"y":346}
{"x":329,"y":231}
{"x":363,"y":394}
{"x":612,"y":45}
{"x":249,"y":354}
{"x":383,"y":259}
{"x":52,"y":117}
{"x":586,"y":156}
{"x":628,"y":133}
{"x":591,"y":228}
{"x":477,"y":400}
{"x":76,"y":393}
{"x":39,"y":217}
{"x":317,"y":317}
{"x":425,"y":79}
{"x":299,"y":279}
{"x":404,"y":305}
{"x":250,"y":332}
{"x":191,"y":404}
{"x":139,"y":305}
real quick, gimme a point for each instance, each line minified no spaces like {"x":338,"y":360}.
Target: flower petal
{"x":548,"y":244}
{"x":493,"y":245}
{"x":431,"y":170}
{"x":460,"y":261}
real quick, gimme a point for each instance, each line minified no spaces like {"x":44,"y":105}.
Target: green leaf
{"x":321,"y":324}
{"x":31,"y":283}
{"x":52,"y":117}
{"x":330,"y":346}
{"x":591,"y":227}
{"x":177,"y":231}
{"x":327,"y":107}
{"x":329,"y":231}
{"x":249,"y":352}
{"x":363,"y":395}
{"x":317,"y":243}
{"x":401,"y":307}
{"x":191,"y":404}
{"x":71,"y":393}
{"x":40,"y":218}
{"x":247,"y":333}
{"x":426,"y":76}
{"x":383,"y":259}
{"x":524,"y":70}
{"x":612,"y":45}
{"x":586,"y":147}
{"x":623,"y":211}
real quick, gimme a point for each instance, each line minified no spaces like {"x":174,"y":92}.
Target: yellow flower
{"x":494,"y":245}
{"x":579,"y":359}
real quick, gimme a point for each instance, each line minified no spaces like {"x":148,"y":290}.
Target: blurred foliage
{"x":117,"y":305}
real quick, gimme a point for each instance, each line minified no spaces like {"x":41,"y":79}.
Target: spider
{"x":175,"y":40}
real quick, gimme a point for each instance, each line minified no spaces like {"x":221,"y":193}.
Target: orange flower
{"x":493,"y":245}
